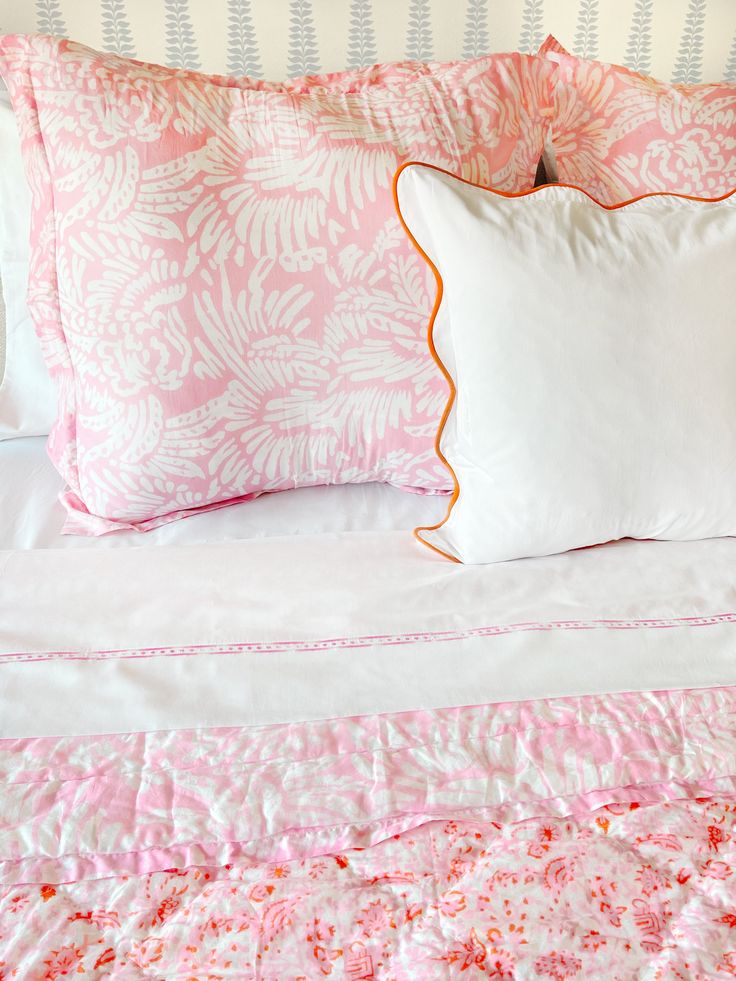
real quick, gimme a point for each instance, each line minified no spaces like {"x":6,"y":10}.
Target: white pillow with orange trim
{"x":591,"y":354}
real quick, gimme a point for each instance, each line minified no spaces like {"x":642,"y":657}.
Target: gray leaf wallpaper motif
{"x":477,"y":39}
{"x":116,"y":29}
{"x":532,"y":33}
{"x":49,"y":19}
{"x":181,"y":44}
{"x":689,"y":66}
{"x":585,"y":44}
{"x":639,"y":47}
{"x":303,"y":53}
{"x":242,"y":43}
{"x":362,"y":38}
{"x":730,"y":74}
{"x":681,"y":40}
{"x":419,"y":45}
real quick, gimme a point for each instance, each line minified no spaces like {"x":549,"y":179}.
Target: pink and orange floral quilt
{"x":554,"y":839}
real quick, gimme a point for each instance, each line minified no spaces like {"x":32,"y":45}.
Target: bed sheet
{"x":338,"y":755}
{"x":293,"y":629}
{"x":31,"y":516}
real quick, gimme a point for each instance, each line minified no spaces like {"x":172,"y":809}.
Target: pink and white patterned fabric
{"x":624,"y":892}
{"x":559,"y":838}
{"x":221,"y":286}
{"x":618,"y":134}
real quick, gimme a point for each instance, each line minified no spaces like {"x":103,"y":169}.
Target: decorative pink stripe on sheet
{"x":371,"y":640}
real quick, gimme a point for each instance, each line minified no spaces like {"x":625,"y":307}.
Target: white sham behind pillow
{"x":27,"y":397}
{"x":593,"y":352}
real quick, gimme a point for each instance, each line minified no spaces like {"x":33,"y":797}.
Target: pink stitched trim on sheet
{"x":370,"y":640}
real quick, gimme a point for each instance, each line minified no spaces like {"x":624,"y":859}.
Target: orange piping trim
{"x":440,"y":364}
{"x":440,"y":292}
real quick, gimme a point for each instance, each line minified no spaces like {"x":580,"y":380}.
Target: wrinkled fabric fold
{"x":88,"y":807}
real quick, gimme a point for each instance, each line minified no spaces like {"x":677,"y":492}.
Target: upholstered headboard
{"x":678,"y":40}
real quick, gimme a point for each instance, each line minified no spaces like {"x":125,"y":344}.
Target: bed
{"x":282,"y":739}
{"x":275,"y":803}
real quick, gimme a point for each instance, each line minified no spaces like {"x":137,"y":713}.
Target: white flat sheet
{"x":333,"y":625}
{"x":31,"y":517}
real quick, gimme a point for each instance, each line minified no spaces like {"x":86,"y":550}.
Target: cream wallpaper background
{"x":678,"y":40}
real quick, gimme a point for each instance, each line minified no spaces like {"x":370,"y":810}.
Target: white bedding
{"x":145,"y":804}
{"x":334,"y":625}
{"x":31,"y":516}
{"x":318,"y":603}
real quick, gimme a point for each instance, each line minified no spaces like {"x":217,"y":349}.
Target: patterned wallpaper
{"x":681,"y":40}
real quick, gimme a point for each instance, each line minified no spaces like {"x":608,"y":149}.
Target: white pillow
{"x":27,"y":397}
{"x":594,"y":355}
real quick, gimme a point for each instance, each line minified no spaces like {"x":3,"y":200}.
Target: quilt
{"x":181,"y":798}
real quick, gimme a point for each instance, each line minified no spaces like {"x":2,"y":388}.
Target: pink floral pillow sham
{"x":618,"y":134}
{"x":219,"y":280}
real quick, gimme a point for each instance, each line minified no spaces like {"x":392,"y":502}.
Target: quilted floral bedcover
{"x":587,"y":837}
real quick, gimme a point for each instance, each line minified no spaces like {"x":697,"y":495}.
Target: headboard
{"x":677,"y":40}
